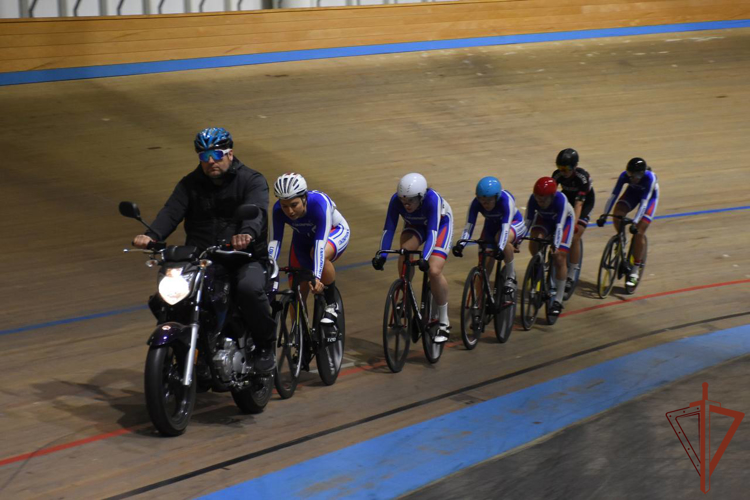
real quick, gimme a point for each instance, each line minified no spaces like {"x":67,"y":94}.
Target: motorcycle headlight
{"x":174,"y":286}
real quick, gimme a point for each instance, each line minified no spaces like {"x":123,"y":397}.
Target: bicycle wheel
{"x":569,"y":294}
{"x":396,"y":324}
{"x":432,"y":351}
{"x":608,"y":267}
{"x":506,"y":313}
{"x":331,"y":355}
{"x":531,"y":292}
{"x":630,"y":290}
{"x":289,"y":345}
{"x":472,"y":309}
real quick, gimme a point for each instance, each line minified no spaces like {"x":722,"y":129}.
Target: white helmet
{"x":290,"y":185}
{"x":412,"y":185}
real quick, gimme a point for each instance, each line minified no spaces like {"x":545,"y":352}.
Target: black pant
{"x":251,"y":296}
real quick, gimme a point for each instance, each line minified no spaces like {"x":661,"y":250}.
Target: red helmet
{"x":546,"y":186}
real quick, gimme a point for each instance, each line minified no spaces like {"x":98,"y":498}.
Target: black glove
{"x":458,"y":250}
{"x":601,"y":220}
{"x":633,"y":229}
{"x":424,"y":266}
{"x":498,"y":255}
{"x":378,"y":263}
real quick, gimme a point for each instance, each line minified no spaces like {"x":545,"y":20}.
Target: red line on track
{"x":349,"y":371}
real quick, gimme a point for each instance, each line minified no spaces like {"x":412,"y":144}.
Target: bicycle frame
{"x":406,"y":267}
{"x":483,"y":245}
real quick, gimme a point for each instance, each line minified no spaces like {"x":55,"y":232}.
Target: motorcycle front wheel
{"x":169,"y":402}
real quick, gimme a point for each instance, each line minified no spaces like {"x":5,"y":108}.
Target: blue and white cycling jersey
{"x":558,"y":216}
{"x":322,"y":224}
{"x":502,"y":216}
{"x":644,"y":192}
{"x":432,"y":222}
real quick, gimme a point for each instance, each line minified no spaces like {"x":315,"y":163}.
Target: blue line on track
{"x":339,"y":268}
{"x":62,"y":74}
{"x":404,"y":460}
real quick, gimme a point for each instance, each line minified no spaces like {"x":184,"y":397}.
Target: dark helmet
{"x":567,"y":158}
{"x":213,"y":138}
{"x":545,"y":186}
{"x":637,"y":166}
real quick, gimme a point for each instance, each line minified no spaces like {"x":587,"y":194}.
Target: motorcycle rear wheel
{"x":254,"y":398}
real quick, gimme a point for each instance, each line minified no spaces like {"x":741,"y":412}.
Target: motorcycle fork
{"x":194,"y":326}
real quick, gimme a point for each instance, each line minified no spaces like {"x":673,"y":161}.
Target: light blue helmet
{"x":213,"y":138}
{"x":489,"y":186}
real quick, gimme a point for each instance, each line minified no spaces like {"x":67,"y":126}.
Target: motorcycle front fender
{"x":166,"y":333}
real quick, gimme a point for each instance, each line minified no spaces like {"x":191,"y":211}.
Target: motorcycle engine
{"x":230,"y":362}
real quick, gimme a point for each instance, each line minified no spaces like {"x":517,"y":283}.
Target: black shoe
{"x":556,"y":308}
{"x":265,"y":359}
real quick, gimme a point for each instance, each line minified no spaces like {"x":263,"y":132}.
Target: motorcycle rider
{"x":206,"y":200}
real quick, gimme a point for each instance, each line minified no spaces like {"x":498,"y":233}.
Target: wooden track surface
{"x":36,"y":44}
{"x":352,"y":126}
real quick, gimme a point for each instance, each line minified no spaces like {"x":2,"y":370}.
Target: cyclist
{"x":577,"y":187}
{"x":549,"y":213}
{"x":503,"y":223}
{"x":643,"y":190}
{"x":321,"y":234}
{"x":428,"y":219}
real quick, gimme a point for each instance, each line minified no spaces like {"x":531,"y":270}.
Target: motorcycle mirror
{"x":130,"y":210}
{"x":245,"y":212}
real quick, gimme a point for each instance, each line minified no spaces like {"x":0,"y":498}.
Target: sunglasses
{"x":216,"y":154}
{"x":564,"y":168}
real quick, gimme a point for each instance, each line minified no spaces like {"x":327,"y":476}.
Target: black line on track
{"x":416,"y":404}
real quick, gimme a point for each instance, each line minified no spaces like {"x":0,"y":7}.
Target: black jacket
{"x":207,"y":209}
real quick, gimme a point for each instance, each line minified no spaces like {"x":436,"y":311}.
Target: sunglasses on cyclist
{"x":564,"y":168}
{"x":216,"y":154}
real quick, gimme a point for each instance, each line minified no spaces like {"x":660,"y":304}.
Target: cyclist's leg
{"x":338,"y":240}
{"x":300,"y":257}
{"x":580,"y":228}
{"x":438,"y":283}
{"x":411,"y":239}
{"x":537,"y":230}
{"x":560,"y":258}
{"x":490,"y":232}
{"x":639,"y":240}
{"x":517,"y":231}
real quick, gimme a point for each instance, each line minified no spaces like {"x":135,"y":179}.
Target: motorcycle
{"x":200,"y":342}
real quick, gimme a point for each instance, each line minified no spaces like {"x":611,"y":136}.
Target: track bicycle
{"x":406,"y":320}
{"x":299,"y":340}
{"x":615,"y":263}
{"x":538,"y":284}
{"x":478,"y":309}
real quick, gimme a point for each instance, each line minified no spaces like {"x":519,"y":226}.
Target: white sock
{"x":560,"y":292}
{"x":443,"y":312}
{"x":572,"y":270}
{"x":510,"y":269}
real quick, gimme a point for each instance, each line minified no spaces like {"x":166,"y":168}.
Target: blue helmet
{"x":213,"y":138}
{"x":489,"y":186}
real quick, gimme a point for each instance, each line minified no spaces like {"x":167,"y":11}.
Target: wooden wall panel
{"x":32,"y":44}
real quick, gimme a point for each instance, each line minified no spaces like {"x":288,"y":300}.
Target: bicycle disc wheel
{"x":331,"y":354}
{"x":630,"y":290}
{"x":531,"y":292}
{"x":472,"y":309}
{"x":506,"y":313}
{"x":396,"y":322}
{"x":432,"y":350}
{"x":608,"y":267}
{"x":288,"y":350}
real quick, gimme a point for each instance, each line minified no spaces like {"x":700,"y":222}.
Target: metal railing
{"x":27,"y":7}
